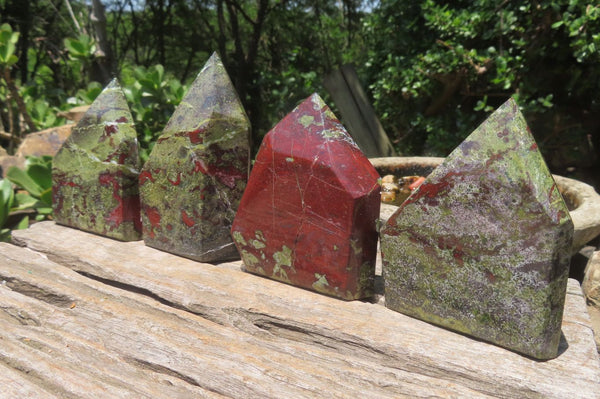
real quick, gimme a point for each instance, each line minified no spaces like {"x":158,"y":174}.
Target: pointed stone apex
{"x":213,"y":61}
{"x":113,"y":84}
{"x":309,"y":213}
{"x":95,"y":172}
{"x":193,"y":181}
{"x":211,"y":96}
{"x":482,"y":246}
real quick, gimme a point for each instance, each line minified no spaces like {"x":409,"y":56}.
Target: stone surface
{"x":591,"y":291}
{"x":193,"y":181}
{"x":95,"y":173}
{"x":308,"y":216}
{"x":591,"y":280}
{"x":582,"y":200}
{"x":74,"y":114}
{"x":44,"y":142}
{"x":482,"y":247}
{"x":585,"y":212}
{"x":8,"y":161}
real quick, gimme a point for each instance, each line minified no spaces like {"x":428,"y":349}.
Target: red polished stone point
{"x":308,"y":216}
{"x":193,"y":181}
{"x":95,"y":173}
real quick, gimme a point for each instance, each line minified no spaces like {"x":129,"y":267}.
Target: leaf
{"x":43,"y":212}
{"x":80,"y":48}
{"x":8,"y":40}
{"x":5,"y":235}
{"x":6,"y":199}
{"x":41,"y":175}
{"x":22,"y":179}
{"x":23,"y":201}
{"x":6,"y":191}
{"x":46,"y":196}
{"x":23,"y":223}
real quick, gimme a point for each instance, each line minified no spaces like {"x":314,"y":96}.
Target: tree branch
{"x":79,"y":30}
{"x":241,"y":10}
{"x":14,"y":92}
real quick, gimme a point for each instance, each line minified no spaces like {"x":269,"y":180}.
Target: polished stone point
{"x":482,"y":246}
{"x":308,"y":216}
{"x":95,"y":172}
{"x":193,"y":181}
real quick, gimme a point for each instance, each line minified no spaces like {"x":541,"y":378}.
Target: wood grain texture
{"x":84,"y":316}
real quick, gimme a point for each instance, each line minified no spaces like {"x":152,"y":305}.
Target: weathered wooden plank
{"x":357,"y":113}
{"x":114,"y":343}
{"x":147,"y":316}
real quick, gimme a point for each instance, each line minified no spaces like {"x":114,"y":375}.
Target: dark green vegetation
{"x":32,"y":199}
{"x":434,"y":69}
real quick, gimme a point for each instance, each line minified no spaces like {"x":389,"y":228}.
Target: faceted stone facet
{"x":308,"y":216}
{"x":95,"y":173}
{"x":482,"y":246}
{"x":193,"y":181}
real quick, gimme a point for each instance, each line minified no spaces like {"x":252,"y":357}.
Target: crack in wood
{"x":31,"y":375}
{"x":199,"y":310}
{"x":36,"y":292}
{"x":157,"y":368}
{"x":349,"y":344}
{"x":20,"y":316}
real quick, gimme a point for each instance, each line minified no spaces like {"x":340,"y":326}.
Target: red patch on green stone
{"x":110,"y":129}
{"x":153,"y":216}
{"x":144,"y":176}
{"x":177,"y":181}
{"x":197,"y":136}
{"x":92,"y":191}
{"x":483,"y":245}
{"x":128,"y":208}
{"x":189,"y":222}
{"x":225,"y":172}
{"x":195,"y":171}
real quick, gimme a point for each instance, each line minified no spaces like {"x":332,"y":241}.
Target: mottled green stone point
{"x":192,"y":183}
{"x":95,"y":173}
{"x":482,"y":247}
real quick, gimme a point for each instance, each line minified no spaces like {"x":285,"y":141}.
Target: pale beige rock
{"x":75,"y":113}
{"x":591,"y":290}
{"x":8,"y":161}
{"x":85,"y":316}
{"x":591,"y":280}
{"x":586,"y":215}
{"x":44,"y":142}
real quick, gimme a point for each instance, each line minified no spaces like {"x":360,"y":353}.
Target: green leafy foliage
{"x":153,"y":96}
{"x":437,"y":69}
{"x":6,"y":203}
{"x":80,"y":48}
{"x":6,"y":200}
{"x":8,"y":43}
{"x":36,"y":180}
{"x":15,"y":209}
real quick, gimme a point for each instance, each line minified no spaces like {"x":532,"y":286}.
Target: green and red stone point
{"x":95,"y":173}
{"x":193,"y":181}
{"x":308,"y":216}
{"x":482,"y":246}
